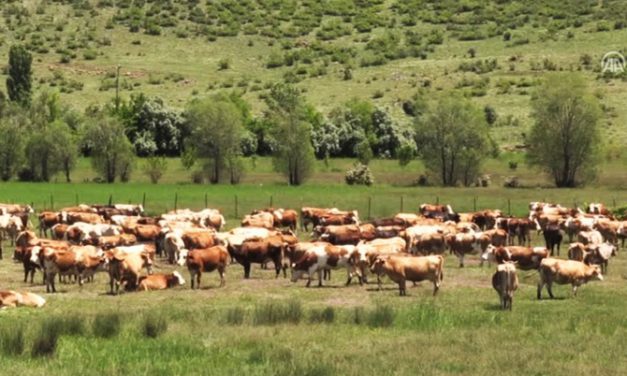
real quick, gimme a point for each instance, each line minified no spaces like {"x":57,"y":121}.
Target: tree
{"x":288,"y":114}
{"x":565,"y":139}
{"x":112,"y":153}
{"x":155,"y":167}
{"x":11,"y":146}
{"x":20,"y":75}
{"x":217,"y":131}
{"x":452,"y":140}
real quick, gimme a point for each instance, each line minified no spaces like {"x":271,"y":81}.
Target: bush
{"x":11,"y":340}
{"x":483,"y":181}
{"x":326,"y":315}
{"x":90,"y":54}
{"x":106,"y":325}
{"x":359,"y":175}
{"x":511,"y":182}
{"x":45,"y":342}
{"x":198,"y":176}
{"x":234,"y":316}
{"x":380,"y":316}
{"x":224,"y":64}
{"x":155,"y":167}
{"x":513,"y":165}
{"x":274,"y":312}
{"x":154,"y":325}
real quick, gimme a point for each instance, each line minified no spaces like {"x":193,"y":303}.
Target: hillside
{"x":384,"y":50}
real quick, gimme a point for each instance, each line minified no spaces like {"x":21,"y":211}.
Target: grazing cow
{"x":47,"y":219}
{"x":79,"y":261}
{"x":73,"y":217}
{"x":463,"y":244}
{"x":441,"y":212}
{"x":599,"y":254}
{"x":207,"y":260}
{"x":505,"y":282}
{"x":160,"y":281}
{"x":315,"y":215}
{"x":526,"y":258}
{"x":12,"y":299}
{"x":345,"y":234}
{"x":415,"y":269}
{"x":566,"y":271}
{"x":262,"y":219}
{"x":577,"y":251}
{"x":259,"y":251}
{"x":125,"y":264}
{"x":322,"y":257}
{"x":590,"y":237}
{"x":146,"y":233}
{"x":553,"y":238}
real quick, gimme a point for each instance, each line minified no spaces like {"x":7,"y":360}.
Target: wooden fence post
{"x":110,"y":199}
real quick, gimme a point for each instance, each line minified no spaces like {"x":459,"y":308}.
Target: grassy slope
{"x":196,"y":60}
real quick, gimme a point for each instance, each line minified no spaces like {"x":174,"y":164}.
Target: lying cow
{"x":160,"y":281}
{"x":12,"y":299}
{"x":505,"y":282}
{"x":125,"y":264}
{"x":566,"y":271}
{"x":401,"y":269}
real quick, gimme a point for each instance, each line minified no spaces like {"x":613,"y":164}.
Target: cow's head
{"x":34,"y":255}
{"x":378,"y":265}
{"x":489,"y":254}
{"x":182,"y":256}
{"x":178,"y":277}
{"x":147,"y":262}
{"x":594,"y":272}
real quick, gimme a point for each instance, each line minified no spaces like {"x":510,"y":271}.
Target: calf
{"x":566,"y":271}
{"x":9,"y":299}
{"x":160,"y":281}
{"x":207,"y":260}
{"x":505,"y":282}
{"x":401,"y":269}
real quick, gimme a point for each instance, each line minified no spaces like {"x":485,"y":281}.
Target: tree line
{"x":40,"y":137}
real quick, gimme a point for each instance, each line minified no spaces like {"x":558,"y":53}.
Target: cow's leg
{"x":549,"y":287}
{"x":246,"y":265}
{"x":402,"y":288}
{"x":575,"y":286}
{"x":320,"y":274}
{"x":221,"y":271}
{"x":308,"y":279}
{"x":461,"y":260}
{"x":436,"y":285}
{"x":26,"y":271}
{"x":277,"y":266}
{"x":54,"y":289}
{"x":1,"y":251}
{"x":111,"y":284}
{"x":540,"y":286}
{"x":379,"y":284}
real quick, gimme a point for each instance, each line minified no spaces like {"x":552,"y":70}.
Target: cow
{"x":599,"y":254}
{"x":259,"y":251}
{"x":465,"y":243}
{"x":125,"y":264}
{"x":314,"y":216}
{"x":597,"y":208}
{"x":525,"y":258}
{"x":419,"y":268}
{"x":621,"y":233}
{"x":10,"y":226}
{"x":486,"y":219}
{"x":428,"y":244}
{"x":160,"y":281}
{"x":79,"y":261}
{"x":47,"y":219}
{"x":25,"y":242}
{"x":207,"y":260}
{"x":505,"y":282}
{"x":609,"y":230}
{"x":345,"y":234}
{"x":553,"y":238}
{"x":59,"y":231}
{"x":262,"y":219}
{"x":322,"y":257}
{"x":73,"y":217}
{"x":281,"y":217}
{"x":566,"y":271}
{"x":441,"y":212}
{"x":590,"y":237}
{"x":108,"y":242}
{"x":577,"y":251}
{"x":146,"y":233}
{"x":11,"y":299}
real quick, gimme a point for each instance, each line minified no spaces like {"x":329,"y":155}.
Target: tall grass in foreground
{"x":106,"y":325}
{"x":153,"y":325}
{"x":275,"y":312}
{"x":11,"y":340}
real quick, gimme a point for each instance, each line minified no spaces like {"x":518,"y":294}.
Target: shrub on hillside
{"x":359,"y":175}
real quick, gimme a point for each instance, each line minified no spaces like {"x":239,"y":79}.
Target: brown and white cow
{"x":12,"y":299}
{"x":160,"y":281}
{"x":322,"y":257}
{"x":125,"y":264}
{"x":590,"y":237}
{"x":261,"y":219}
{"x":526,"y":258}
{"x":108,"y":242}
{"x":207,"y":260}
{"x":80,"y":261}
{"x":599,"y":254}
{"x":505,"y":282}
{"x":401,"y":269}
{"x":345,"y":234}
{"x":468,"y":243}
{"x":47,"y":219}
{"x":259,"y":251}
{"x":566,"y":271}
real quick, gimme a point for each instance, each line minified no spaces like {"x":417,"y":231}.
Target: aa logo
{"x":613,"y":62}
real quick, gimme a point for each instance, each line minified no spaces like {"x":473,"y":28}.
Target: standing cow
{"x":505,"y":282}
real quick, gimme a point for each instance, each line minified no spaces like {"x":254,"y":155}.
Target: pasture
{"x":272,"y":326}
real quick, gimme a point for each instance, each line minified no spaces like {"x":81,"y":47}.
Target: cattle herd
{"x":75,"y":243}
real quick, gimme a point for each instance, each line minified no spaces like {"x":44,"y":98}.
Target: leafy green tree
{"x":287,"y":112}
{"x":154,"y":168}
{"x":565,"y":139}
{"x":19,"y":80}
{"x":217,"y":131}
{"x":452,"y":139}
{"x":112,"y":153}
{"x":11,"y":146}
